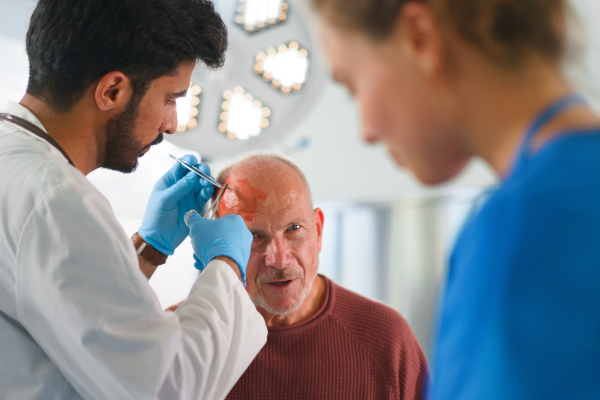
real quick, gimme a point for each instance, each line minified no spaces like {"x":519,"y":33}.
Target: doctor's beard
{"x":122,"y":150}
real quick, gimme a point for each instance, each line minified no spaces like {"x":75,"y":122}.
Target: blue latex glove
{"x":177,"y":192}
{"x":226,"y":236}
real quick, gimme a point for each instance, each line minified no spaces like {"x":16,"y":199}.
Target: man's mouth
{"x":144,"y":151}
{"x":156,"y":141}
{"x":281,"y":284}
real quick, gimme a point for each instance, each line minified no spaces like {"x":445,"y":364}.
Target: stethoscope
{"x":36,"y":131}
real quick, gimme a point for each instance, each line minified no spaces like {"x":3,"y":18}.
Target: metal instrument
{"x":212,"y":210}
{"x":192,"y":168}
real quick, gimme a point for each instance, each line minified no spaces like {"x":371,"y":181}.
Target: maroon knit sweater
{"x":352,"y":348}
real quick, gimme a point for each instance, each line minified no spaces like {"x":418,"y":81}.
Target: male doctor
{"x":77,"y":317}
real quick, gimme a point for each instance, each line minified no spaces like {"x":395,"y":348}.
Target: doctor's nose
{"x":278,"y":255}
{"x":169,"y":123}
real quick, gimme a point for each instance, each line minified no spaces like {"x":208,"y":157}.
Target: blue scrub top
{"x":521,"y":311}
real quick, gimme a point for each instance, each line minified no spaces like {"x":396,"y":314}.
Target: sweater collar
{"x":324,"y":311}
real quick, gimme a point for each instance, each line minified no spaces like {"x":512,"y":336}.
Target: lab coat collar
{"x":22,"y":112}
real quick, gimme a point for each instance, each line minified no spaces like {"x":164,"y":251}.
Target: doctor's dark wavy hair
{"x":73,"y":43}
{"x":505,"y":30}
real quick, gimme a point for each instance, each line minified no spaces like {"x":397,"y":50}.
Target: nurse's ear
{"x":418,"y":33}
{"x":113,"y":92}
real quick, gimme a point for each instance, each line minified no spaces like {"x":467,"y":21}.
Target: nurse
{"x":77,"y":316}
{"x":443,"y":81}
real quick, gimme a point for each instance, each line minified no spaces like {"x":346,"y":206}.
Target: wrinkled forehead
{"x":263,"y":189}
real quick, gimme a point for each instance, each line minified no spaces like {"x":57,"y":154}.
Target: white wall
{"x":341,"y":167}
{"x":338,"y":165}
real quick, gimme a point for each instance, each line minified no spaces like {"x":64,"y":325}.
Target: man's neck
{"x":310,"y":306}
{"x":73,"y":131}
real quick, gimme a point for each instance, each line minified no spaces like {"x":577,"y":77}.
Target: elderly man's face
{"x":271,"y":198}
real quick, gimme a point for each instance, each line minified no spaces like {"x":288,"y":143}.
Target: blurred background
{"x":386,"y":236}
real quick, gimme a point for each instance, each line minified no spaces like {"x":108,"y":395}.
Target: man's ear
{"x":113,"y":92}
{"x":419,"y":35}
{"x":319,"y":221}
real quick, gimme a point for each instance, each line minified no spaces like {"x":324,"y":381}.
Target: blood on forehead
{"x":241,"y":198}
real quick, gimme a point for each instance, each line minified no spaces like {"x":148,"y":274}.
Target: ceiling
{"x":338,"y":164}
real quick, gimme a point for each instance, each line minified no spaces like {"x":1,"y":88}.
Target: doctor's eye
{"x":294,"y":228}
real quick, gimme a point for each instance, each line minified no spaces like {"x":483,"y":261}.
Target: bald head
{"x":260,"y":182}
{"x":270,"y":192}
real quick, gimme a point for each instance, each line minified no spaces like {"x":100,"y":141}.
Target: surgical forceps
{"x":209,"y":178}
{"x":212,"y":210}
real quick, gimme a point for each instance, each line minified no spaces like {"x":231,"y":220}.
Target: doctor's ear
{"x":113,"y":92}
{"x":419,"y":35}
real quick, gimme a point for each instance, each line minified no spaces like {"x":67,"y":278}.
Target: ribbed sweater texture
{"x":352,"y":348}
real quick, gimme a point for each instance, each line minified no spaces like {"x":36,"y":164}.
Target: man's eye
{"x":255,"y":236}
{"x":171,"y":102}
{"x":294,"y":227}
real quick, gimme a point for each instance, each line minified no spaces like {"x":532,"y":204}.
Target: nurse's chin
{"x":429,"y":172}
{"x":435,"y":174}
{"x":396,"y":157}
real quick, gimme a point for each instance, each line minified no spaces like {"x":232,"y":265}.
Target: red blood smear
{"x":242,"y":199}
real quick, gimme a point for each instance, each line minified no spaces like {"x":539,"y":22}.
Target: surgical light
{"x":242,"y":116}
{"x":219,"y":132}
{"x":286,"y":66}
{"x":188,"y":109}
{"x":255,"y":15}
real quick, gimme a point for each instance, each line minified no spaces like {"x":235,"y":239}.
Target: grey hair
{"x":225,"y":171}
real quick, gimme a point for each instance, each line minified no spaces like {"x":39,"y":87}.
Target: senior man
{"x":324,"y":341}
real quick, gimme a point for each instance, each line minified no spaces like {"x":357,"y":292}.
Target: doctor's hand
{"x":226,"y":236}
{"x":177,"y":192}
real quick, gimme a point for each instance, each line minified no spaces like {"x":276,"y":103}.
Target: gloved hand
{"x":226,"y":236}
{"x":177,"y":192}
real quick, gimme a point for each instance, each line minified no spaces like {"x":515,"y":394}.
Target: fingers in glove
{"x":190,"y":217}
{"x":205,"y":194}
{"x":203,"y":183}
{"x":184,"y":186}
{"x":199,"y":265}
{"x":178,"y":171}
{"x":204,"y":168}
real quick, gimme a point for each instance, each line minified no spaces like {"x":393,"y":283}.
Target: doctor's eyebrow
{"x":180,"y":94}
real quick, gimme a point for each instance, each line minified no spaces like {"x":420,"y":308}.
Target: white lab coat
{"x":77,"y":317}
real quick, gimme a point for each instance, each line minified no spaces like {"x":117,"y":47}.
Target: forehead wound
{"x":241,"y":198}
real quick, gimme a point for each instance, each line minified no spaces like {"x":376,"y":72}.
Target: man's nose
{"x":169,"y":123}
{"x":278,"y":254}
